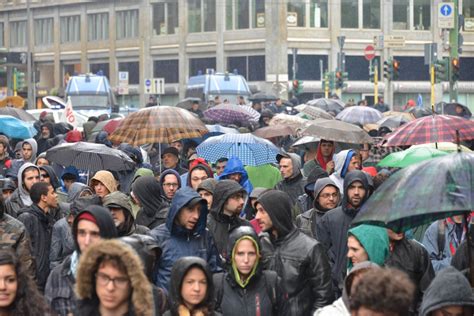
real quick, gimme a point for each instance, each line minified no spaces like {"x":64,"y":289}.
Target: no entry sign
{"x":369,"y":52}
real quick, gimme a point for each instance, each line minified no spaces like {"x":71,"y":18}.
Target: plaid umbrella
{"x":89,"y":156}
{"x":410,"y":156}
{"x":158,"y":124}
{"x":408,"y":199}
{"x":313,"y":112}
{"x":337,"y":131}
{"x":232,"y":114}
{"x":250,"y":149}
{"x":431,"y":129}
{"x":18,"y":113}
{"x":359,"y":115}
{"x":16,"y":128}
{"x":329,"y":105}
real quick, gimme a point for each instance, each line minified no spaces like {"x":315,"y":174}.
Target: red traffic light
{"x":455,"y":62}
{"x":295,"y":84}
{"x":396,"y":64}
{"x":338,"y":74}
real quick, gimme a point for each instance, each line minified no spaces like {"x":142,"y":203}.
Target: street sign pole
{"x":376,"y":82}
{"x":432,"y":79}
{"x":454,"y":52}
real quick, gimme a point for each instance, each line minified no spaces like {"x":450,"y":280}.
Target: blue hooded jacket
{"x":69,"y":170}
{"x":177,"y":241}
{"x":234,"y":165}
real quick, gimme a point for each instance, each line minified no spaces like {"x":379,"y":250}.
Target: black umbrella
{"x":18,"y":113}
{"x":329,"y":105}
{"x":260,"y":96}
{"x":457,"y":109}
{"x":420,"y":112}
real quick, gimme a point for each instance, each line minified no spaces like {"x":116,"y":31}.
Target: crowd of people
{"x":178,"y":235}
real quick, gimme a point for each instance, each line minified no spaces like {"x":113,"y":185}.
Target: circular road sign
{"x":369,"y":52}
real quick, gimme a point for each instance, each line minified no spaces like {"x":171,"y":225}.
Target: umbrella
{"x":232,"y":114}
{"x":431,"y":129}
{"x":393,"y":122}
{"x":15,"y":101}
{"x":250,"y":149}
{"x":444,"y":146}
{"x":406,"y":115}
{"x":314,"y":112}
{"x":260,"y":96}
{"x":158,"y":124}
{"x":305,"y":140}
{"x":450,"y":109}
{"x":337,"y":131}
{"x":188,"y":102}
{"x":90,"y":156}
{"x":108,"y":125}
{"x":359,"y":115}
{"x":286,"y":119}
{"x":218,"y":130}
{"x":409,"y":198}
{"x":15,"y":128}
{"x":329,"y":105}
{"x":421,"y":112}
{"x":410,"y":156}
{"x":18,"y":113}
{"x":275,"y":131}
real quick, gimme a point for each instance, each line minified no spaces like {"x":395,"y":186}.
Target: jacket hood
{"x":52,"y":176}
{"x":141,"y":172}
{"x":234,"y":165}
{"x":121,"y":200}
{"x":346,"y":290}
{"x":449,"y":287}
{"x":208,"y":185}
{"x":141,"y":291}
{"x":199,"y":165}
{"x":319,"y":186}
{"x":351,"y":177}
{"x":107,"y":179}
{"x":34,"y":147}
{"x":179,"y":271}
{"x":295,"y":160}
{"x":103,"y":138}
{"x":149,"y":193}
{"x":70,"y":170}
{"x":103,"y":219}
{"x":224,"y":189}
{"x":181,"y":198}
{"x":147,"y":249}
{"x":341,"y":162}
{"x":49,"y":126}
{"x":237,"y":235}
{"x":24,"y":194}
{"x":173,"y":172}
{"x":375,"y":241}
{"x":319,"y":155}
{"x":75,"y":191}
{"x":313,"y":176}
{"x":278,"y":206}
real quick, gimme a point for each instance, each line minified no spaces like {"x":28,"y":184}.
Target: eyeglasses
{"x":104,"y":279}
{"x":169,"y":185}
{"x":328,"y":195}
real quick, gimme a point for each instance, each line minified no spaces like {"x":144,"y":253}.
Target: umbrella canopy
{"x":108,"y":125}
{"x":410,"y":156}
{"x":218,"y":130}
{"x":188,"y":102}
{"x":393,"y":122}
{"x":15,"y":128}
{"x":453,"y":108}
{"x":275,"y":131}
{"x":232,"y":114}
{"x":313,"y":112}
{"x":15,"y":101}
{"x":261,"y":96}
{"x":282,"y":119}
{"x":408,"y":116}
{"x":305,"y":140}
{"x":420,"y":112}
{"x":359,"y":115}
{"x":431,"y":129}
{"x":409,"y":198}
{"x":329,"y":105}
{"x":158,"y":124}
{"x":337,"y":131}
{"x":18,"y":113}
{"x":90,"y":156}
{"x":444,"y":146}
{"x":250,"y":149}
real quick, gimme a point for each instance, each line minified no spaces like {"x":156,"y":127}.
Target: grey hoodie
{"x":294,"y":185}
{"x":20,"y":197}
{"x":34,"y":147}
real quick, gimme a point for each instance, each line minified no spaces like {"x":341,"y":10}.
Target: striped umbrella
{"x":89,"y":156}
{"x":250,"y":149}
{"x":158,"y":124}
{"x":232,"y":114}
{"x":359,"y":115}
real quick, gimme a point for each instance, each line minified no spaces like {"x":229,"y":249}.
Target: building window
{"x":411,"y":15}
{"x":201,"y":16}
{"x":101,"y":69}
{"x":127,"y":24}
{"x":307,"y":13}
{"x":371,"y":14}
{"x":44,"y":31}
{"x":70,"y":28}
{"x":358,"y":14}
{"x":165,"y":18}
{"x":251,"y":68}
{"x":468,"y":8}
{"x":133,"y":69}
{"x":307,"y":66}
{"x":2,"y":34}
{"x":237,"y":14}
{"x":168,"y":69}
{"x":18,"y":33}
{"x":350,"y":14}
{"x":98,"y":26}
{"x":200,"y":65}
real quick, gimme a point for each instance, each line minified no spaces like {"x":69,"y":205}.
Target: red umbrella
{"x":111,"y":126}
{"x":431,"y":129}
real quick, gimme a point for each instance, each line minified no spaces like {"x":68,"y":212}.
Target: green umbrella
{"x":410,"y":156}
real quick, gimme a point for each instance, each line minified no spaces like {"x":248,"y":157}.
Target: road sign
{"x":123,"y":83}
{"x":369,"y":52}
{"x":392,"y":41}
{"x":446,"y":15}
{"x":158,"y":85}
{"x":148,"y":89}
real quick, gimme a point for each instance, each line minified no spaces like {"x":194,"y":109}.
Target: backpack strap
{"x":441,"y":238}
{"x":271,"y":280}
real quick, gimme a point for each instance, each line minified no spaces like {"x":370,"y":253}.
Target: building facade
{"x":175,"y":39}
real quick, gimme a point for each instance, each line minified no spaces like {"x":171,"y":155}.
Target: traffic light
{"x":339,"y":80}
{"x":372,"y":75}
{"x":455,"y":69}
{"x":19,"y":78}
{"x":395,"y":69}
{"x":297,"y":86}
{"x":441,"y":70}
{"x":388,"y":69}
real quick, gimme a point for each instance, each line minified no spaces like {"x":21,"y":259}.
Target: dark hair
{"x":28,"y":300}
{"x":223,"y":159}
{"x":388,"y":291}
{"x":69,"y":176}
{"x":39,"y":189}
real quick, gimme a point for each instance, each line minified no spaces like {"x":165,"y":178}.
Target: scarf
{"x":74,"y":263}
{"x":184,"y":311}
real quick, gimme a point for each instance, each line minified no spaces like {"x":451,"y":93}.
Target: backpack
{"x":271,"y":281}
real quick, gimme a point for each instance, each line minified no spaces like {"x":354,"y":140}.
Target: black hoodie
{"x":149,"y":193}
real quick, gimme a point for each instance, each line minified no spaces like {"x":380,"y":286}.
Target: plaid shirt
{"x":59,"y":290}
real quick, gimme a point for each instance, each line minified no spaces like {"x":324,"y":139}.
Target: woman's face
{"x":100,"y":189}
{"x":194,"y":287}
{"x":8,"y":285}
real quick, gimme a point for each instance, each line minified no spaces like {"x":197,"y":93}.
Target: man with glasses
{"x":170,"y":183}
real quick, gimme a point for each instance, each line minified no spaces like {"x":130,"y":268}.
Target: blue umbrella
{"x":250,"y":149}
{"x":15,"y":128}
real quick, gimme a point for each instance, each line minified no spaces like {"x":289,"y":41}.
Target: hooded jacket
{"x":52,"y":176}
{"x":249,"y":297}
{"x":34,"y":147}
{"x":208,"y":185}
{"x":341,"y":164}
{"x":20,"y":198}
{"x":332,"y":229}
{"x":76,"y":189}
{"x":449,"y":287}
{"x":5,"y":161}
{"x":298,"y":259}
{"x":198,"y":165}
{"x":374,"y":240}
{"x":141,"y":299}
{"x":107,"y":179}
{"x":263,"y":176}
{"x":149,"y":193}
{"x":235,"y":165}
{"x":162,"y":177}
{"x":294,"y":185}
{"x":177,"y":241}
{"x":219,"y":224}
{"x":45,"y":143}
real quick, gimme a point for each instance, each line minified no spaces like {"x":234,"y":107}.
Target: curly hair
{"x":386,"y":290}
{"x":28,"y":300}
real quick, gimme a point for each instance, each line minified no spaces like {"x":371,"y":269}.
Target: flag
{"x":68,"y":114}
{"x":419,"y":101}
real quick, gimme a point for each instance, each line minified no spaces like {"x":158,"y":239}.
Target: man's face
{"x":170,"y":161}
{"x":327,"y":149}
{"x":286,"y":167}
{"x":206,"y":195}
{"x":197,"y":176}
{"x":45,"y":132}
{"x":178,"y":145}
{"x":88,"y":233}
{"x":263,"y":218}
{"x":51,"y":198}
{"x":234,"y":204}
{"x":195,"y":106}
{"x":170,"y":185}
{"x":112,"y":294}
{"x":189,"y":216}
{"x":30,"y":177}
{"x":26,"y":151}
{"x":42,"y":162}
{"x":328,"y":198}
{"x":117,"y":215}
{"x":364,"y":152}
{"x":355,"y":194}
{"x":220,"y":166}
{"x":393,"y":236}
{"x":354,"y":164}
{"x":6,"y":194}
{"x":245,"y":256}
{"x":44,"y":177}
{"x":356,"y":253}
{"x":453,"y":310}
{"x":458,"y":109}
{"x":235,"y":176}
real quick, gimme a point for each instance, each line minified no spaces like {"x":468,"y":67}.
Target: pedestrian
{"x":184,"y":234}
{"x":195,"y":109}
{"x":220,"y":164}
{"x":104,"y":183}
{"x":170,"y":160}
{"x":323,"y":159}
{"x":234,"y":170}
{"x":8,"y":188}
{"x":148,"y":193}
{"x":206,"y":190}
{"x":69,"y":176}
{"x":306,"y":200}
{"x":381,"y":106}
{"x":28,"y":150}
{"x":28,"y":174}
{"x":191,"y":288}
{"x":245,"y":288}
{"x":367,"y":243}
{"x":345,"y":161}
{"x":299,"y":260}
{"x":18,"y":292}
{"x":170,"y":183}
{"x":199,"y":171}
{"x":263,"y":176}
{"x":5,"y":160}
{"x":45,"y":138}
{"x":111,"y":281}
